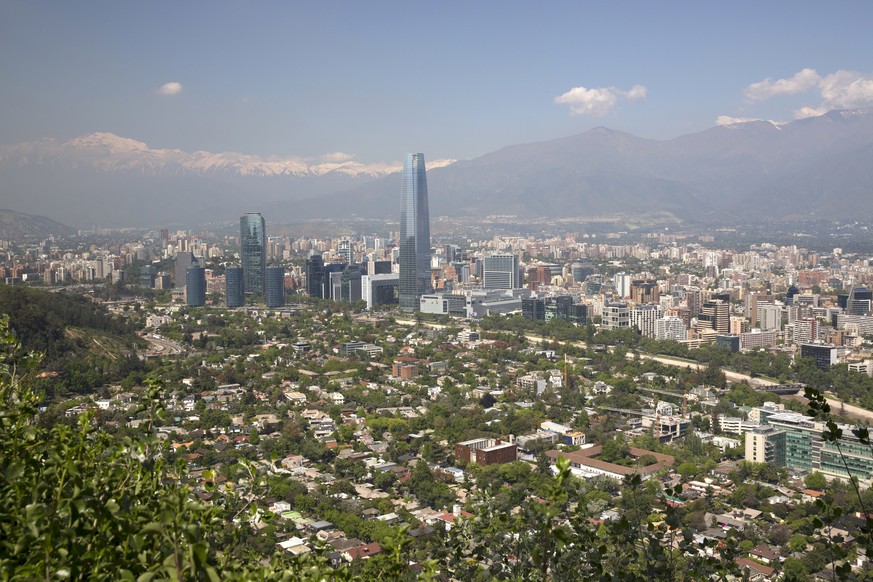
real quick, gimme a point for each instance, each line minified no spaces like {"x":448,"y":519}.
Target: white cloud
{"x":800,"y":82}
{"x":636,"y":93}
{"x":805,"y":112}
{"x":838,"y":90}
{"x":728,"y":120}
{"x":847,"y":89}
{"x":598,"y":101}
{"x":171,"y":88}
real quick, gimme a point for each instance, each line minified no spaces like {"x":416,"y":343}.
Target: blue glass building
{"x":195,"y":286}
{"x":275,"y":287}
{"x":253,"y":252}
{"x":415,"y":249}
{"x":233,"y":286}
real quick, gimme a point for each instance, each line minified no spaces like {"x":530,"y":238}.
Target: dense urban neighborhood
{"x":655,"y":404}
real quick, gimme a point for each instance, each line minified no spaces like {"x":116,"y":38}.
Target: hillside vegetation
{"x":80,"y":341}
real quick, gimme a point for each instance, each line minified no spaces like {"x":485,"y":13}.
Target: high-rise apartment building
{"x":645,"y":291}
{"x":643,"y":318}
{"x":806,"y":331}
{"x":345,"y":251}
{"x":415,"y":251}
{"x":253,"y":252}
{"x":500,"y":272}
{"x":233,"y":287}
{"x":670,"y":328}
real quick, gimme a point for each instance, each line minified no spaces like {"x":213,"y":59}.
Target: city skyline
{"x":319,"y":84}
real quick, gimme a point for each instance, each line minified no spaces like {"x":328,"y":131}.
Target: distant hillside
{"x":756,"y":170}
{"x":816,"y":167}
{"x":18,"y":226}
{"x":77,"y":337}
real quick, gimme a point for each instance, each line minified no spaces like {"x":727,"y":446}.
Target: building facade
{"x":415,"y":251}
{"x":500,"y":271}
{"x":253,"y":252}
{"x":195,"y":286}
{"x":234,"y":292}
{"x":315,"y":276}
{"x":616,"y":316}
{"x":274,"y":287}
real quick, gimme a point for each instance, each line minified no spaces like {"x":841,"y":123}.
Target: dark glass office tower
{"x":253,"y":252}
{"x":275,"y":287}
{"x":414,"y":234}
{"x":234,"y":292}
{"x":315,"y":276}
{"x":195,"y":288}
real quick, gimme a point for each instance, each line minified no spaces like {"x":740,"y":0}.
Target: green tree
{"x":815,"y":480}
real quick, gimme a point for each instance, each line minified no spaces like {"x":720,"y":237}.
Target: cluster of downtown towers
{"x":254,"y":277}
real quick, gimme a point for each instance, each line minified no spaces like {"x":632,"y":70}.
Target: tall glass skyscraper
{"x":235,"y":294}
{"x":195,"y":288}
{"x":275,"y":287}
{"x":253,"y":252}
{"x":415,"y":278}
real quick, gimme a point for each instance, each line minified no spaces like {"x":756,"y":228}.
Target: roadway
{"x":160,"y":346}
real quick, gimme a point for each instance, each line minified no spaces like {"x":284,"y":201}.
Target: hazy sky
{"x":375,"y":79}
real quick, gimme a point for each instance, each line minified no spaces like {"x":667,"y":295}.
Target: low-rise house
{"x":362,"y":552}
{"x":765,"y":553}
{"x":756,"y":572}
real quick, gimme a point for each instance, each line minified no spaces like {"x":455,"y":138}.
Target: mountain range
{"x":20,"y":227}
{"x":818,"y":167}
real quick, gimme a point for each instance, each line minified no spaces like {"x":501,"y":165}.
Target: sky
{"x":371,"y":80}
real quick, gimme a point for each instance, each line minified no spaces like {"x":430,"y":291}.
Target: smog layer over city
{"x":448,"y":291}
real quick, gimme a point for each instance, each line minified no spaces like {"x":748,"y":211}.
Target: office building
{"x":274,"y":287}
{"x":415,"y":251}
{"x":824,"y":355}
{"x":580,"y":271}
{"x":315,"y":279}
{"x":616,"y":316}
{"x":233,"y":287}
{"x":729,"y":341}
{"x":792,"y":440}
{"x":444,"y":304}
{"x":184,"y":260}
{"x":500,"y":271}
{"x":147,"y":276}
{"x":380,"y":289}
{"x":859,"y":300}
{"x":534,"y":309}
{"x":350,"y":282}
{"x":195,"y":286}
{"x":378,"y":267}
{"x":715,"y":315}
{"x":253,"y":252}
